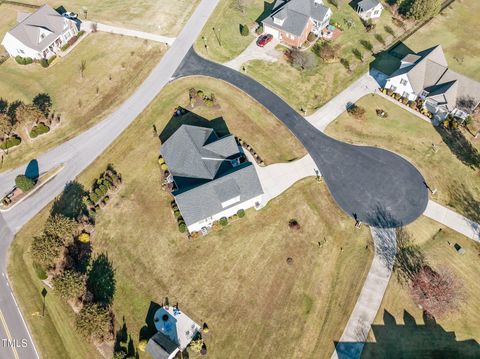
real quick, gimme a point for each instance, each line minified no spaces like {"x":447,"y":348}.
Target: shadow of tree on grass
{"x":409,"y":259}
{"x":70,"y":202}
{"x":460,"y":146}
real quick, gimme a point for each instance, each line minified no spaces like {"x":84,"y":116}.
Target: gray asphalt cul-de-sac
{"x":372,"y":185}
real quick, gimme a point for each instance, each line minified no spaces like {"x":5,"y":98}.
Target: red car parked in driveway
{"x":264,"y":39}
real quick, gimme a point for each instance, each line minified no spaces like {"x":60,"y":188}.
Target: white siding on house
{"x":17,"y":48}
{"x":226,"y":213}
{"x":268,"y":30}
{"x":401,"y":85}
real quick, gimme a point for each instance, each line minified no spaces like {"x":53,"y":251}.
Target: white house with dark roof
{"x":175,"y":330}
{"x":369,"y":9}
{"x":40,"y":34}
{"x":426,"y":75}
{"x":292,"y":20}
{"x":212,"y":177}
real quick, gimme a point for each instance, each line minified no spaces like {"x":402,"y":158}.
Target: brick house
{"x":292,"y":20}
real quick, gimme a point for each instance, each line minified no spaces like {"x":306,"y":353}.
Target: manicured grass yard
{"x":226,"y":19}
{"x":413,"y":341}
{"x":163,"y":17}
{"x":237,"y":280}
{"x":127,"y":60}
{"x":412,"y":138}
{"x":454,"y":29}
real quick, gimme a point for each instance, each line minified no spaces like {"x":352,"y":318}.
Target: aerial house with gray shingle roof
{"x":369,"y":9}
{"x":426,"y":75}
{"x":40,"y":34}
{"x":212,"y":177}
{"x":292,"y":20}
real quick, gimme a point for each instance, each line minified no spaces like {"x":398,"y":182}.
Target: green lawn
{"x":115,"y":67}
{"x":163,"y":17}
{"x":237,"y":280}
{"x":455,"y":30}
{"x":310,"y":89}
{"x":412,"y":138}
{"x":226,"y":19}
{"x":405,"y":335}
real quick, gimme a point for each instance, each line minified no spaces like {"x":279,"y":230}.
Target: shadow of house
{"x":32,"y":170}
{"x":267,"y":10}
{"x":388,"y":61}
{"x":190,"y":118}
{"x":410,"y":340}
{"x":149,"y":329}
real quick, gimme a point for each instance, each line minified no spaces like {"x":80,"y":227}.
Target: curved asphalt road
{"x":373,"y":185}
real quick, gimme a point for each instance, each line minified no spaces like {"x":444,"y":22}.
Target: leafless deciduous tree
{"x":302,"y":59}
{"x":437,"y":291}
{"x":82,"y":67}
{"x":241,"y":6}
{"x":466,"y":103}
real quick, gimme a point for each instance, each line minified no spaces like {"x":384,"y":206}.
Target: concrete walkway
{"x":336,"y":106}
{"x":354,"y":336}
{"x":279,"y":177}
{"x":254,"y":52}
{"x":453,"y":220}
{"x":87,"y":26}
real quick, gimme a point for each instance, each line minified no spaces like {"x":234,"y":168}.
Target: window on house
{"x":376,"y":12}
{"x":424,"y":93}
{"x":20,"y":51}
{"x":403,"y":82}
{"x":393,"y":88}
{"x":42,"y":36}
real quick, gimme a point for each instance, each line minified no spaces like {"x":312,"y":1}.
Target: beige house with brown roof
{"x":40,"y":34}
{"x":426,"y":75}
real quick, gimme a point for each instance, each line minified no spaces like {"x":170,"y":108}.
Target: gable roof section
{"x":45,"y":20}
{"x":296,"y":15}
{"x":206,"y":200}
{"x":160,"y":346}
{"x":197,"y":152}
{"x":427,"y":68}
{"x":366,"y":5}
{"x":444,"y":94}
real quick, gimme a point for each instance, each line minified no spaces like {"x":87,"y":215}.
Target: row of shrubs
{"x":250,"y":149}
{"x":28,"y":60}
{"x":415,"y":105}
{"x":108,"y":180}
{"x":72,"y":40}
{"x":194,"y":96}
{"x":182,"y":226}
{"x":39,"y":129}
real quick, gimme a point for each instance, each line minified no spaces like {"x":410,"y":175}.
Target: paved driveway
{"x":373,"y":185}
{"x":254,"y":52}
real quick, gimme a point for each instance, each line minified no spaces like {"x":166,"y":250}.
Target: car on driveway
{"x":264,"y":39}
{"x":70,"y":15}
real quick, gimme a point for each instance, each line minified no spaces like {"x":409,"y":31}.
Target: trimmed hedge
{"x":51,"y":59}
{"x":23,"y":60}
{"x":241,"y":213}
{"x":44,"y":63}
{"x":223,"y":221}
{"x":38,"y":130}
{"x":10,"y":142}
{"x":24,"y":183}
